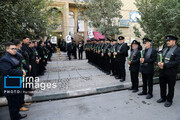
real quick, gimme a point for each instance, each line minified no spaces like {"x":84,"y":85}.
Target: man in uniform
{"x":50,"y":48}
{"x":168,"y":70}
{"x":106,"y":56}
{"x":101,"y":61}
{"x":74,"y":49}
{"x":113,"y":57}
{"x":148,"y":58}
{"x":91,"y":57}
{"x":133,"y":62}
{"x":96,"y":51}
{"x":42,"y":56}
{"x":26,"y":51}
{"x":86,"y":48}
{"x":122,"y":53}
{"x":45,"y":53}
{"x":80,"y":47}
{"x":69,"y":50}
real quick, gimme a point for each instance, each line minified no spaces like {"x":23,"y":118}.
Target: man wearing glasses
{"x":8,"y":66}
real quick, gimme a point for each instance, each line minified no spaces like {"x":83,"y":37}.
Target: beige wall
{"x":128,"y":6}
{"x":68,"y":5}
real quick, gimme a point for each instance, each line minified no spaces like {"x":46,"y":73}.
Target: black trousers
{"x":80,"y":52}
{"x":41,"y":67}
{"x":169,"y":80}
{"x":69,"y":55}
{"x":121,"y":70}
{"x":115,"y":64}
{"x":101,"y":65}
{"x":134,"y":80}
{"x":107,"y":64}
{"x":14,"y":105}
{"x":49,"y":55}
{"x":147,"y":79}
{"x":108,"y":68}
{"x":113,"y":68}
{"x":89,"y":57}
{"x":21,"y":99}
{"x":37,"y":69}
{"x":75,"y":54}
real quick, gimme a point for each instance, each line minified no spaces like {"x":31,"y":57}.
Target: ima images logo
{"x":14,"y":82}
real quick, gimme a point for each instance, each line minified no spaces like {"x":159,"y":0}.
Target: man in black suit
{"x":133,"y":62}
{"x":148,"y":58}
{"x":106,"y":56}
{"x":42,"y":58}
{"x":113,"y":57}
{"x":86,"y":48}
{"x":26,"y":51}
{"x":9,"y":64}
{"x":80,"y":50}
{"x":69,"y":50}
{"x":168,"y":70}
{"x":101,"y":58}
{"x":18,"y":44}
{"x":122,"y":53}
{"x":74,"y":49}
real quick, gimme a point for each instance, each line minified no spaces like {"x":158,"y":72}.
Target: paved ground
{"x":75,"y":75}
{"x":74,"y":78}
{"x":122,"y":105}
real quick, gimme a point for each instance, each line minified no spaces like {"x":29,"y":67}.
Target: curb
{"x":78,"y":93}
{"x":3,"y":101}
{"x":86,"y":92}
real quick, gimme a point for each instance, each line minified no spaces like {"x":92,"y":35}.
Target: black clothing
{"x":168,"y":75}
{"x":147,"y":69}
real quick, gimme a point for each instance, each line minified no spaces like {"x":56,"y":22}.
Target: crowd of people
{"x":72,"y":48}
{"x":24,"y":58}
{"x":110,"y":56}
{"x":29,"y":58}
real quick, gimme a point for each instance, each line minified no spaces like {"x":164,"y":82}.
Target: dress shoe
{"x":167,"y":104}
{"x":26,"y":104}
{"x":149,"y":96}
{"x":117,"y":77}
{"x":161,"y":100}
{"x":23,"y":109}
{"x":30,"y":93}
{"x":23,"y":116}
{"x":111,"y":75}
{"x":135,"y":91}
{"x":33,"y":89}
{"x":142,"y":93}
{"x":122,"y":80}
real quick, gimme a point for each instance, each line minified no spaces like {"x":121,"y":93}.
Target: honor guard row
{"x":110,"y":57}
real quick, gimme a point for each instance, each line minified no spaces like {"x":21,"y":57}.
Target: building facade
{"x":70,"y":25}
